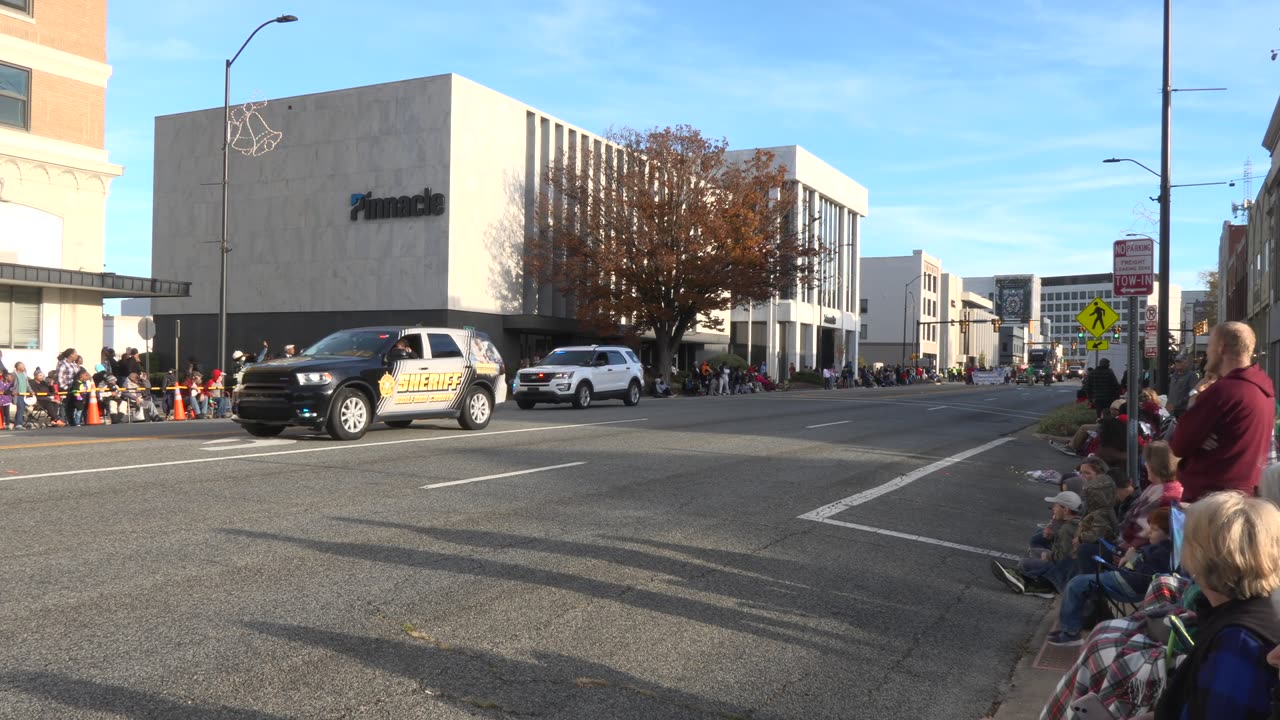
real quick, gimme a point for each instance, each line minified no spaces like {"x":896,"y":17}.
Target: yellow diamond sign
{"x":1097,"y":318}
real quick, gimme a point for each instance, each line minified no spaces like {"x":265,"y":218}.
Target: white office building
{"x":815,"y":326}
{"x":900,"y":307}
{"x":408,"y":203}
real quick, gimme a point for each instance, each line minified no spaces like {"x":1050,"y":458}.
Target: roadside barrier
{"x":93,"y":416}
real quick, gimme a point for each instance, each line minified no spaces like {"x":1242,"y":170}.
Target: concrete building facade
{"x":976,"y":345}
{"x":54,"y":179}
{"x":1063,"y":297}
{"x":901,"y":306}
{"x":403,"y":203}
{"x":815,"y":326}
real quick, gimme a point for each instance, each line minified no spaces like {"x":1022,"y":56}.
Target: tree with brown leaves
{"x":658,"y":232}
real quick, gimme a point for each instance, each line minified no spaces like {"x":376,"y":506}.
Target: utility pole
{"x":1160,"y":377}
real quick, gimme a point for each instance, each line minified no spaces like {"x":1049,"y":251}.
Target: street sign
{"x":147,"y":328}
{"x":1097,"y":318}
{"x":1132,"y":267}
{"x":1153,"y":313}
{"x":1098,"y":345}
{"x":1149,"y":351}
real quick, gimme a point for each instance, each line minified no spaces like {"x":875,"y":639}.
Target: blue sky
{"x":978,"y":128}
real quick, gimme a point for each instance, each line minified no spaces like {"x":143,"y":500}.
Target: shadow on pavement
{"x":758,"y":589}
{"x":549,"y":685}
{"x":846,"y":644}
{"x":89,"y":695}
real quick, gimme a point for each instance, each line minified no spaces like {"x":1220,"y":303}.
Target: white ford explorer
{"x":581,"y":374}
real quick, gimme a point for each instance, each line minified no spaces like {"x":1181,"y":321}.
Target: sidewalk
{"x":1041,"y":665}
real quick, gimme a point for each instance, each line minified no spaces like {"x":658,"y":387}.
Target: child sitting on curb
{"x":1043,"y":570}
{"x":1128,"y":584}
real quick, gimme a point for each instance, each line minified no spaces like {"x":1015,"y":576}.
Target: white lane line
{"x":940,"y":407}
{"x":901,"y":481}
{"x":500,"y":475}
{"x":921,"y":538}
{"x":989,"y":399}
{"x":335,"y":446}
{"x":838,"y":422}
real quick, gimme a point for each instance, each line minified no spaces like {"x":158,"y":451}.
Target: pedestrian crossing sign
{"x":1098,"y":344}
{"x":1097,"y":318}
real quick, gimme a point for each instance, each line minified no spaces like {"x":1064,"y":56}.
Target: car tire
{"x":582,"y":395}
{"x":525,"y":404}
{"x":632,"y":397}
{"x":477,"y":409}
{"x":349,"y":415}
{"x":398,"y":423}
{"x":258,"y":430}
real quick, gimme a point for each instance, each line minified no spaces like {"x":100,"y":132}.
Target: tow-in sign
{"x":1132,"y":272}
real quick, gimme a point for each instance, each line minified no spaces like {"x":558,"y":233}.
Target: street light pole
{"x":1160,"y":379}
{"x":226,"y":166}
{"x":905,"y":293}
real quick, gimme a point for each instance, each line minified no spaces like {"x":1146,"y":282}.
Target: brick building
{"x":54,"y":179}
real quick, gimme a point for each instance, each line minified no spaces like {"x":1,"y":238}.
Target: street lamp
{"x":905,"y":294}
{"x":226,"y":160}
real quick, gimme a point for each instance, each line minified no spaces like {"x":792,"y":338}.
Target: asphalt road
{"x":656,"y":566}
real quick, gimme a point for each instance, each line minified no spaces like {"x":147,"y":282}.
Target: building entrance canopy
{"x":109,"y":284}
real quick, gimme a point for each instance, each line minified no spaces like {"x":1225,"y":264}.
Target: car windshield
{"x":354,"y":343}
{"x":570,"y":357}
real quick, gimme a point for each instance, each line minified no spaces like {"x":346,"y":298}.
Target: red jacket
{"x":1239,"y":411}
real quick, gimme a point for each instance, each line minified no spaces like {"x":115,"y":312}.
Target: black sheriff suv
{"x":354,"y":378}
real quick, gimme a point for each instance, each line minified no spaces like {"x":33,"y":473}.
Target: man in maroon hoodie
{"x":1224,"y":437}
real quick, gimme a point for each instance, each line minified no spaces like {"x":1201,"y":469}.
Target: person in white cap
{"x":1044,"y":571}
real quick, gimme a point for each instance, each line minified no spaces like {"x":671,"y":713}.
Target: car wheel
{"x":582,"y":396}
{"x":477,"y":409}
{"x":257,"y":430}
{"x":398,"y":423}
{"x":633,"y":394}
{"x":349,"y":415}
{"x":525,"y":404}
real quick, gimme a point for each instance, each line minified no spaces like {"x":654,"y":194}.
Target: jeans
{"x":20,"y":410}
{"x":1057,"y":573}
{"x":224,"y":405}
{"x":201,"y":403}
{"x":1071,"y":613}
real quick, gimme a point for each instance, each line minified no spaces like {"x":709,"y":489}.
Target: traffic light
{"x":964,"y":326}
{"x":1115,"y":332}
{"x":1079,"y":332}
{"x":1073,"y":344}
{"x":996,"y":323}
{"x":1202,"y":327}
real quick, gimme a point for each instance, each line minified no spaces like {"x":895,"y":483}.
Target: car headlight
{"x":563,"y":375}
{"x":314,"y":378}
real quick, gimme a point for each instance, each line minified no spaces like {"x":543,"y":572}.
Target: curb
{"x":1028,"y":687}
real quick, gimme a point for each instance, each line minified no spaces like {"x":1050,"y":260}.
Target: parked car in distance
{"x":1075,"y":371}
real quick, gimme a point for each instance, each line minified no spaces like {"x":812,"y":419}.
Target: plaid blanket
{"x":1120,"y":662}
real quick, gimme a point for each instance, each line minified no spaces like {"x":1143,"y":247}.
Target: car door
{"x":621,"y":373}
{"x":397,"y":388}
{"x":602,"y":375}
{"x":445,"y":375}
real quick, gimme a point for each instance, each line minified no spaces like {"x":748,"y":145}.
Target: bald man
{"x":1225,"y":435}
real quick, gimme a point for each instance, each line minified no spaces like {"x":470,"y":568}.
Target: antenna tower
{"x":1244,"y":206}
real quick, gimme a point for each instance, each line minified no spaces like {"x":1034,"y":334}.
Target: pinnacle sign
{"x":405,"y":206}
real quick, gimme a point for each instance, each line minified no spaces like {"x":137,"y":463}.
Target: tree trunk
{"x":662,"y":345}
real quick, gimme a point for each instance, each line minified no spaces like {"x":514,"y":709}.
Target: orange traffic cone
{"x":93,"y":416}
{"x":179,"y":410}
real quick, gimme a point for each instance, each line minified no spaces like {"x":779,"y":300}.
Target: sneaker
{"x":1041,"y":589}
{"x":1064,"y":449}
{"x":1008,"y":577}
{"x":1062,"y":638}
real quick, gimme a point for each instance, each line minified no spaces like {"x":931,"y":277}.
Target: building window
{"x":15,"y":92}
{"x":23,"y":6}
{"x":20,"y":317}
{"x":862,"y":332}
{"x":862,"y":306}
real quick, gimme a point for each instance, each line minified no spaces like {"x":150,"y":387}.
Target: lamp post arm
{"x":1135,"y":162}
{"x":246,"y":42}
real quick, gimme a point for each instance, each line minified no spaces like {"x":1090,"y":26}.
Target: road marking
{"x":989,"y":399}
{"x":100,"y":441}
{"x":838,"y":422}
{"x":500,"y":475}
{"x":1022,"y":414}
{"x":901,"y":481}
{"x":940,"y":407}
{"x":919,"y":538}
{"x":336,"y":446}
{"x":245,"y":443}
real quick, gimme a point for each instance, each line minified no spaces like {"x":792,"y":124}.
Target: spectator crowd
{"x":1169,"y":580}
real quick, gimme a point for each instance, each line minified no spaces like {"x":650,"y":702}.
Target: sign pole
{"x":1135,"y":361}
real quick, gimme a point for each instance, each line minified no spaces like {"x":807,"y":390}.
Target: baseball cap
{"x":1066,"y":498}
{"x":237,"y":355}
